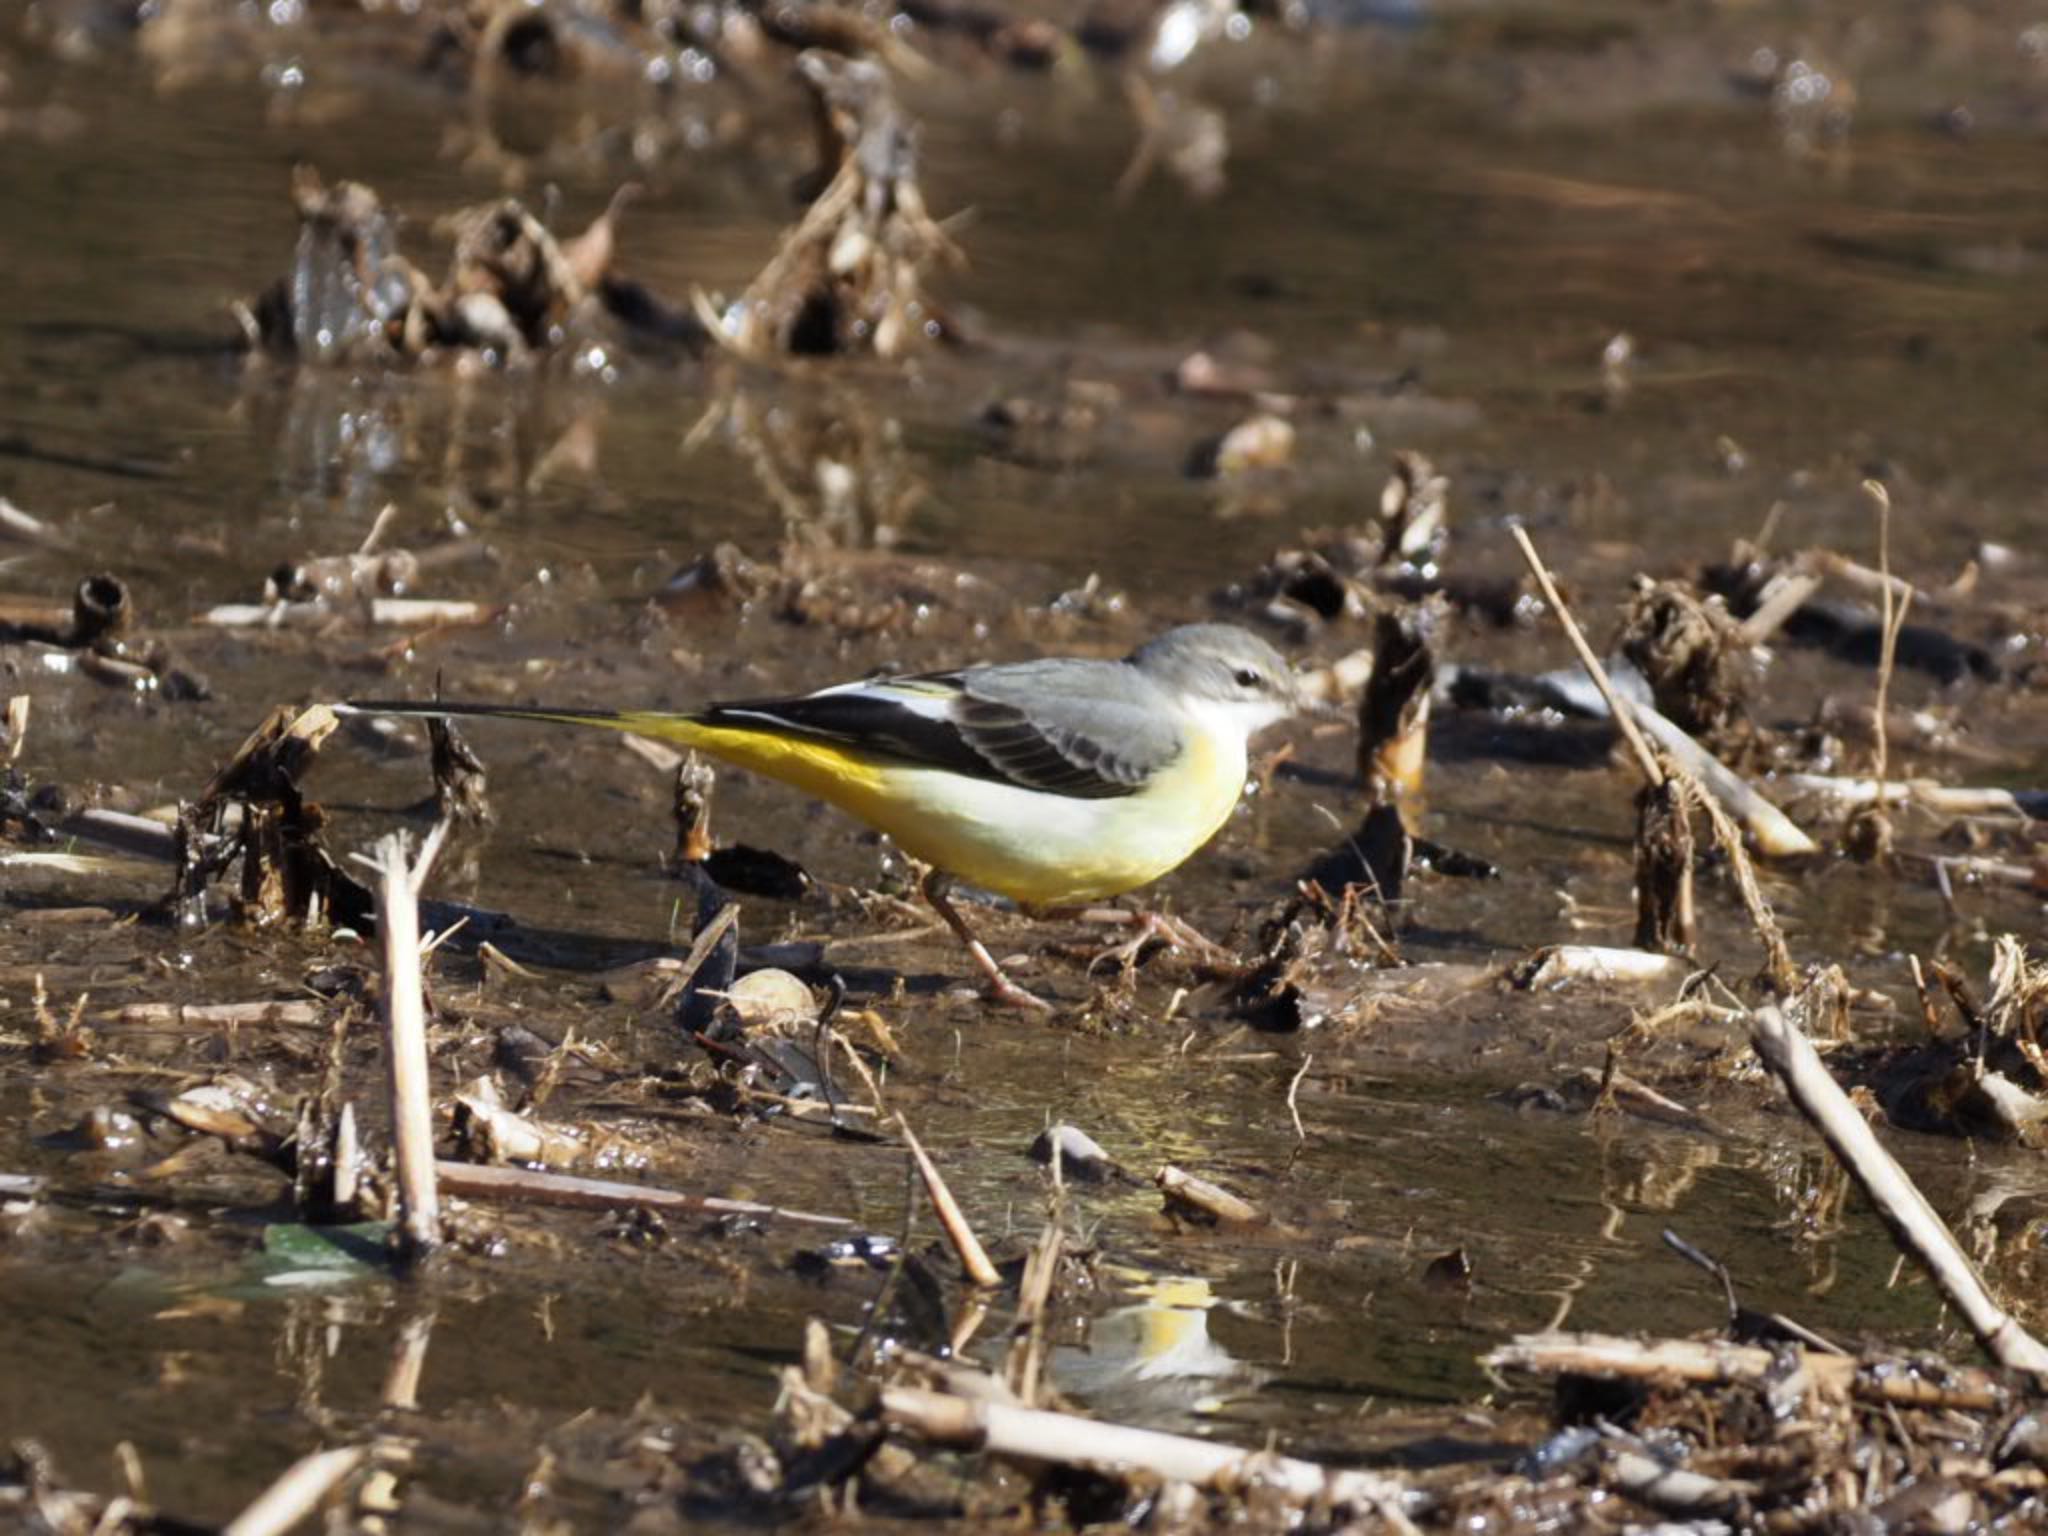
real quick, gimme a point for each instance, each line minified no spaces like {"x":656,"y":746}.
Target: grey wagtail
{"x":1053,"y":782}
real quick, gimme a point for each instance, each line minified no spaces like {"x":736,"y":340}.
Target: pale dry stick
{"x":1293,"y":1096}
{"x":973,"y":1257}
{"x":1553,"y":965}
{"x":1711,"y":1362}
{"x":809,"y":1109}
{"x":1857,"y":576}
{"x":1773,"y":832}
{"x":297,"y":1493}
{"x":383,"y":611}
{"x":1895,"y":605}
{"x":1914,"y":1224}
{"x":1617,"y":708}
{"x":1943,"y":799}
{"x":1183,"y":1188}
{"x":262,"y":1011}
{"x":1025,"y":1365}
{"x":405,"y":1038}
{"x":1066,"y":1439}
{"x":15,"y":732}
{"x":29,"y":528}
{"x":477,"y":1181}
{"x":1780,"y":599}
{"x":130,"y":1462}
{"x":67,"y":864}
{"x":348,"y":1157}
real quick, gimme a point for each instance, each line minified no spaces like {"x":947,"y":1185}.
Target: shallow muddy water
{"x":1430,"y":232}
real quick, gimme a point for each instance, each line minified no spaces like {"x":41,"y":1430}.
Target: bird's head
{"x":1223,"y":672}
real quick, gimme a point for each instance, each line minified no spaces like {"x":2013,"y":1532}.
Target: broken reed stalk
{"x":1197,"y":1194}
{"x":1868,"y":834}
{"x":973,"y":1257}
{"x":297,"y":1493}
{"x":14,"y":733}
{"x":1914,"y":1224}
{"x":1782,"y":597}
{"x":405,"y":1038}
{"x":1067,"y":1439}
{"x":1714,"y":1362}
{"x":1894,"y":606}
{"x":1024,"y":1367}
{"x":479,"y":1181}
{"x":1624,"y":717}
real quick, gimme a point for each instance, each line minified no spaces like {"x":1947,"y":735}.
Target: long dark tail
{"x":643,"y":722}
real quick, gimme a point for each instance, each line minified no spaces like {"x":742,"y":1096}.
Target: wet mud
{"x":640,"y":357}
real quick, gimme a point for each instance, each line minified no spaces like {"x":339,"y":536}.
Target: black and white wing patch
{"x":1089,"y":729}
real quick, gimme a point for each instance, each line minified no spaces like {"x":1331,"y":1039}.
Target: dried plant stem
{"x":1025,"y":1366}
{"x":480,"y":1182}
{"x":1294,"y":1096}
{"x":1710,"y":1362}
{"x":1781,"y":598}
{"x":1624,"y":717}
{"x":1896,"y":600}
{"x":1068,"y":1439}
{"x":297,"y":1493}
{"x":973,"y":1257}
{"x":405,"y":1037}
{"x":1914,"y":1224}
{"x":1782,"y":974}
{"x":1184,"y":1189}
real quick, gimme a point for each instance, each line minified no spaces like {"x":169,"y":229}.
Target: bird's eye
{"x":1249,"y":677}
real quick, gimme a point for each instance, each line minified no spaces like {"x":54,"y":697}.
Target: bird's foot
{"x":1150,"y":928}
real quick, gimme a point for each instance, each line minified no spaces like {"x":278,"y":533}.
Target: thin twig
{"x":1624,"y":719}
{"x":477,"y":1181}
{"x":1293,"y":1091}
{"x":1894,"y":604}
{"x":973,"y":1257}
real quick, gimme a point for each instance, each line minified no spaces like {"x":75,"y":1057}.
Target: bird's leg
{"x":1001,"y":988}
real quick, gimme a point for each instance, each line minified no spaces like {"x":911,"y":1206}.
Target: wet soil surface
{"x":1646,"y":282}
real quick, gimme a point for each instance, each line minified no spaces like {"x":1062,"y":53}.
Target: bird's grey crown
{"x":1216,"y":661}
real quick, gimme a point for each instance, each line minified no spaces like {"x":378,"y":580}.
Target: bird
{"x":1054,"y":782}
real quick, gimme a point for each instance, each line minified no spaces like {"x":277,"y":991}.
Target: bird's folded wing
{"x":1092,"y":730}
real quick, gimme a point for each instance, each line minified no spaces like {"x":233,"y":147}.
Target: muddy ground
{"x":1650,"y":283}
